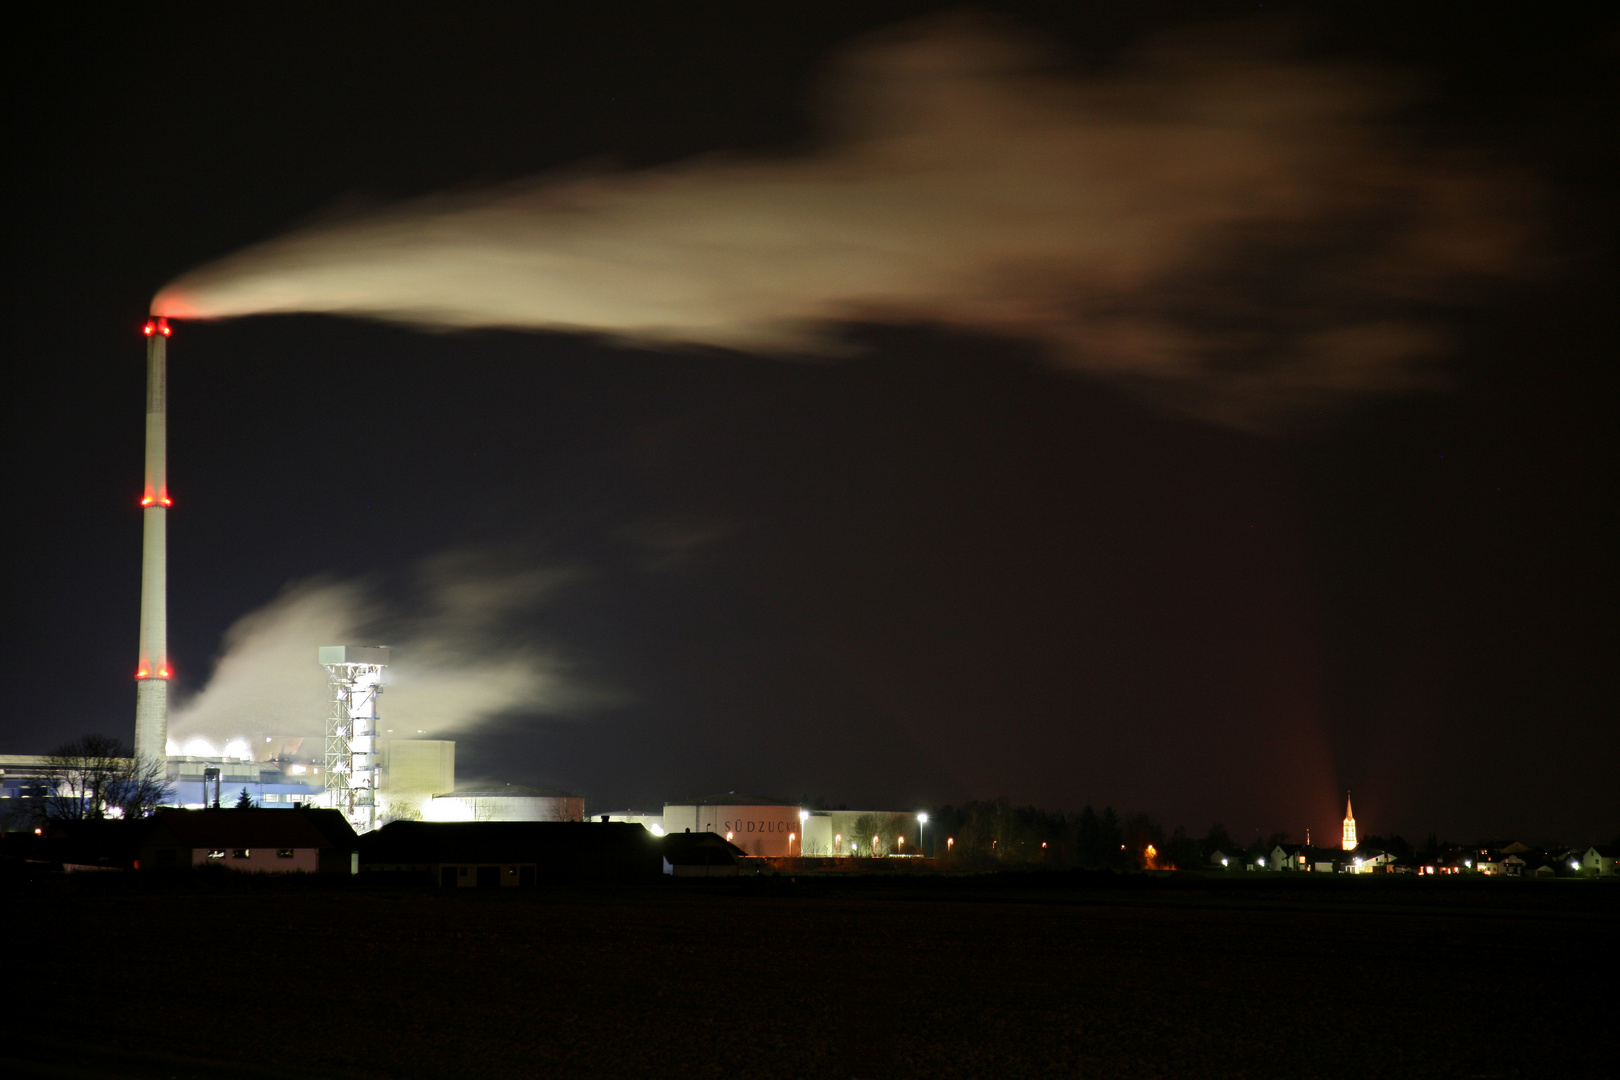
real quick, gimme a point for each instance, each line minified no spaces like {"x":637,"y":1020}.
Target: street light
{"x":804,"y":828}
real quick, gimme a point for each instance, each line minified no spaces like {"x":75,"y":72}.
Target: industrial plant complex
{"x":355,"y":769}
{"x":356,"y":795}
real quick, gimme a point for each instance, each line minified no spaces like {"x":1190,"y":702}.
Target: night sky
{"x":933,"y":564}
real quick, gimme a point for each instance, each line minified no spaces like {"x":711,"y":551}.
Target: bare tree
{"x":96,"y":777}
{"x":886,"y":828}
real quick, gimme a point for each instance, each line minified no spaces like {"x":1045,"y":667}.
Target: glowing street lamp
{"x":838,"y":843}
{"x":922,"y":819}
{"x":874,"y":847}
{"x":792,"y":837}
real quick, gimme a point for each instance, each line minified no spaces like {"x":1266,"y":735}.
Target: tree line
{"x":995,"y":832}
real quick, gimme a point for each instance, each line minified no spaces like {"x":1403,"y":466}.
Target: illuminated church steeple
{"x":1349,"y":826}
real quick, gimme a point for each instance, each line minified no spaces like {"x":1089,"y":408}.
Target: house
{"x":263,"y":841}
{"x":701,"y":854}
{"x":256,"y":841}
{"x":1327,"y":860}
{"x":512,"y":854}
{"x":1600,"y":860}
{"x":1369,"y":861}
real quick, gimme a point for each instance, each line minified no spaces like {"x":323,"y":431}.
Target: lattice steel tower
{"x":354,"y":673}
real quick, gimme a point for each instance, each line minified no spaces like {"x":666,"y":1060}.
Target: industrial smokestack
{"x":152,"y":674}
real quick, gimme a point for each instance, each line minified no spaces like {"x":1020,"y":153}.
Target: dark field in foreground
{"x":975,"y":978}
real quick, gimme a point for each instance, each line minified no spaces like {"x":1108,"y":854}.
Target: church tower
{"x":1349,"y":826}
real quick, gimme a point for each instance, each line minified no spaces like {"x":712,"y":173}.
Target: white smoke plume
{"x":453,"y":660}
{"x":1248,"y":233}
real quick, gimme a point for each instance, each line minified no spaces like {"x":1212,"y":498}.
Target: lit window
{"x":240,"y":853}
{"x":272,"y":797}
{"x":284,"y":853}
{"x":217,"y":853}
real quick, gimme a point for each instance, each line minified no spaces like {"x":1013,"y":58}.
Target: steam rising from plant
{"x":455,"y":660}
{"x":1246,"y":233}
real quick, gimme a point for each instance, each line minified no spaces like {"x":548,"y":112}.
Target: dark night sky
{"x":942,"y":569}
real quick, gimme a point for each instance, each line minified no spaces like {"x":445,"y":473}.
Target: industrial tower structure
{"x":354,"y":673}
{"x":152,"y":673}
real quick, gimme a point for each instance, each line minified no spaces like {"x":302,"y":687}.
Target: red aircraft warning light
{"x":158,"y":325}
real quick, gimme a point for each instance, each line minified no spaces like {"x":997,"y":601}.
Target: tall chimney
{"x":152,"y":674}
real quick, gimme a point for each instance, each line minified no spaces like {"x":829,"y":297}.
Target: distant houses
{"x":1512,"y":859}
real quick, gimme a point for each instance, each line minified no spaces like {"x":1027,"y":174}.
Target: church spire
{"x":1349,"y":825}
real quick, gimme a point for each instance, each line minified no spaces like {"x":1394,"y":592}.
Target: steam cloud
{"x":454,"y":661}
{"x":1247,"y":233}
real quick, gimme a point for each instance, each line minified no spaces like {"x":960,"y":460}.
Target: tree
{"x":1217,"y":839}
{"x":1181,"y":852}
{"x":886,"y":827}
{"x":95,"y":777}
{"x":1138,"y":832}
{"x":244,"y":801}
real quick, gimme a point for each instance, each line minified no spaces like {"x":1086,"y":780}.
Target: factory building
{"x":758,"y":825}
{"x":203,"y":781}
{"x":775,"y":829}
{"x":410,"y":773}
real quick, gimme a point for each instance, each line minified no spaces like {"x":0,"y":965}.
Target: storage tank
{"x":505,"y":802}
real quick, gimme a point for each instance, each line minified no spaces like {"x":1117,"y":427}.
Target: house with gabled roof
{"x":1600,"y":860}
{"x":256,"y":841}
{"x":701,"y":854}
{"x":520,"y":854}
